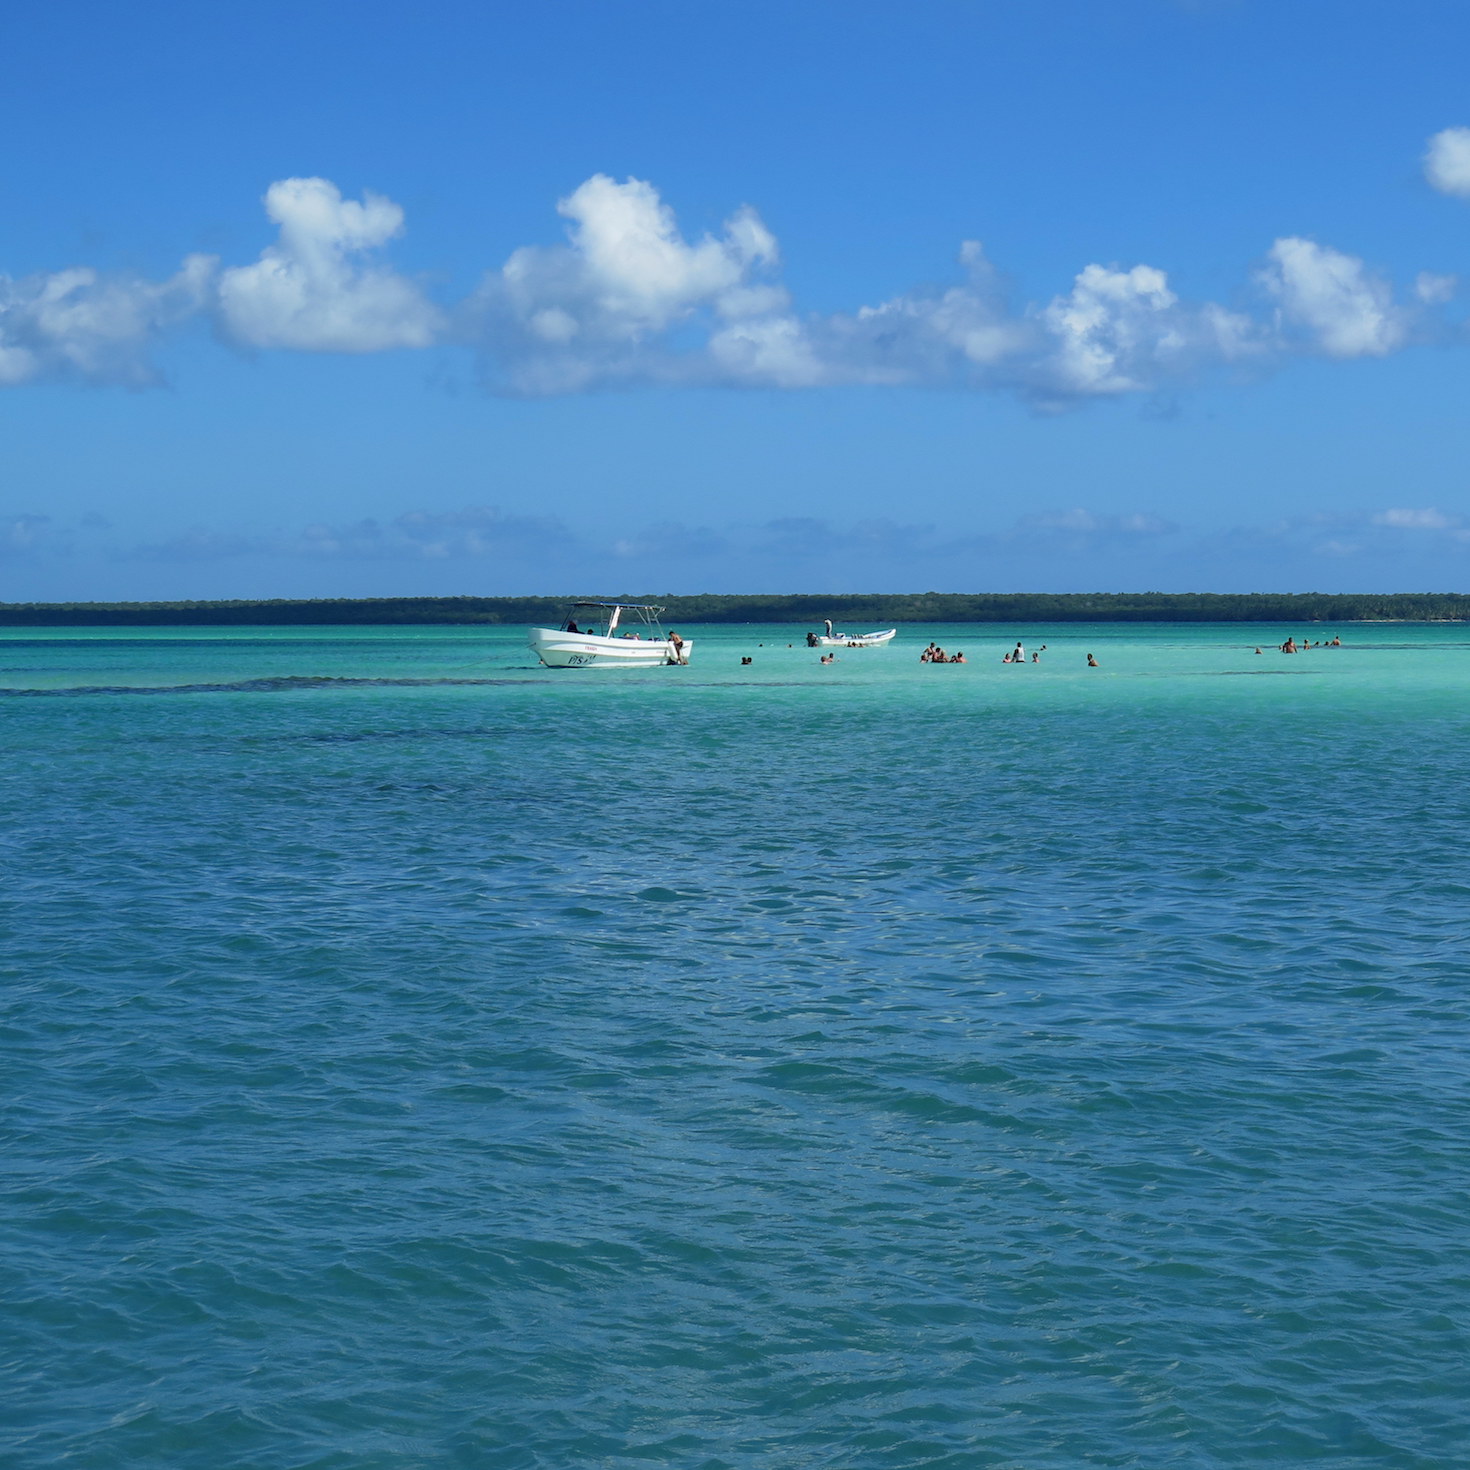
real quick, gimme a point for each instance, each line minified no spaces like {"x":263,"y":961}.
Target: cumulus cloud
{"x":1123,"y":331}
{"x":1107,"y":317}
{"x":560,"y":318}
{"x":82,"y":325}
{"x":1447,"y":162}
{"x":312,"y":291}
{"x":629,"y":298}
{"x":968,"y":333}
{"x":1116,"y":331}
{"x":1332,"y":300}
{"x":770,"y":352}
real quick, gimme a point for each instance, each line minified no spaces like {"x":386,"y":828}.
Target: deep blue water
{"x":413,"y":1058}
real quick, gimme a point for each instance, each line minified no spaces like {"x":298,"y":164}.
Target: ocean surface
{"x":416,"y":1058}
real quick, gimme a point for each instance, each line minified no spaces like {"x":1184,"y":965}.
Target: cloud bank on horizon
{"x":627,"y":300}
{"x":794,"y":548}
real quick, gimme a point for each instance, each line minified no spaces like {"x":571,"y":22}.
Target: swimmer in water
{"x":1091,"y":662}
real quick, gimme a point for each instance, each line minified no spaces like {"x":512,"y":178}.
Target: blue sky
{"x":336,"y":300}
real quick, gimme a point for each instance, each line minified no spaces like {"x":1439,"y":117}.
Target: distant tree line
{"x":852,"y":610}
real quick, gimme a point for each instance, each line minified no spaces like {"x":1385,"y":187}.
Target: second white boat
{"x":849,"y":640}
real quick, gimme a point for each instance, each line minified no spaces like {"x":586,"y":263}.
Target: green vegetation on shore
{"x":853,"y":610}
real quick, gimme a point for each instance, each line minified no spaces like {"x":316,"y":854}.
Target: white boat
{"x":848,"y":640}
{"x":589,"y":638}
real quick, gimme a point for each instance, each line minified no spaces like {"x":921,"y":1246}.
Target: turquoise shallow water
{"x":417,"y":1059}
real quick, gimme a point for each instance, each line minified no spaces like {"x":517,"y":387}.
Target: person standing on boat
{"x":677,"y":644}
{"x":829,"y":627}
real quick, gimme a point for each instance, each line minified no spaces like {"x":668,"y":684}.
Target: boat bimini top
{"x":612,"y":612}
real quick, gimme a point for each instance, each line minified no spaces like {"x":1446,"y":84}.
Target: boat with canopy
{"x":608,"y":635}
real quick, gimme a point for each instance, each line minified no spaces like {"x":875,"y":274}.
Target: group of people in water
{"x":934,"y":654}
{"x":1018,"y":655}
{"x":1292,"y":646}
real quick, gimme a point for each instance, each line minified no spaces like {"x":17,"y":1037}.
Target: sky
{"x":621,"y":296}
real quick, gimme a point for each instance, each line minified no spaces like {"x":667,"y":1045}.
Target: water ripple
{"x":449,"y":1072}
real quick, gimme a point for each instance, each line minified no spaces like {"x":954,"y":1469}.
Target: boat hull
{"x":560,"y":650}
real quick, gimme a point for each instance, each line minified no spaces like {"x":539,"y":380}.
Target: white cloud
{"x":1116,"y":331}
{"x":1414,"y":520}
{"x":82,"y":325}
{"x":636,"y":262}
{"x":773,"y":352}
{"x":1343,"y":310}
{"x":1103,"y":323}
{"x":1123,"y":331}
{"x":629,"y":299}
{"x":1434,"y":289}
{"x":1079,"y":522}
{"x":967,"y":333}
{"x":1447,"y":162}
{"x":560,"y":318}
{"x":308,"y":292}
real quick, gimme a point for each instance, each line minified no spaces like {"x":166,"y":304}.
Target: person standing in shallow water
{"x":1091,"y":662}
